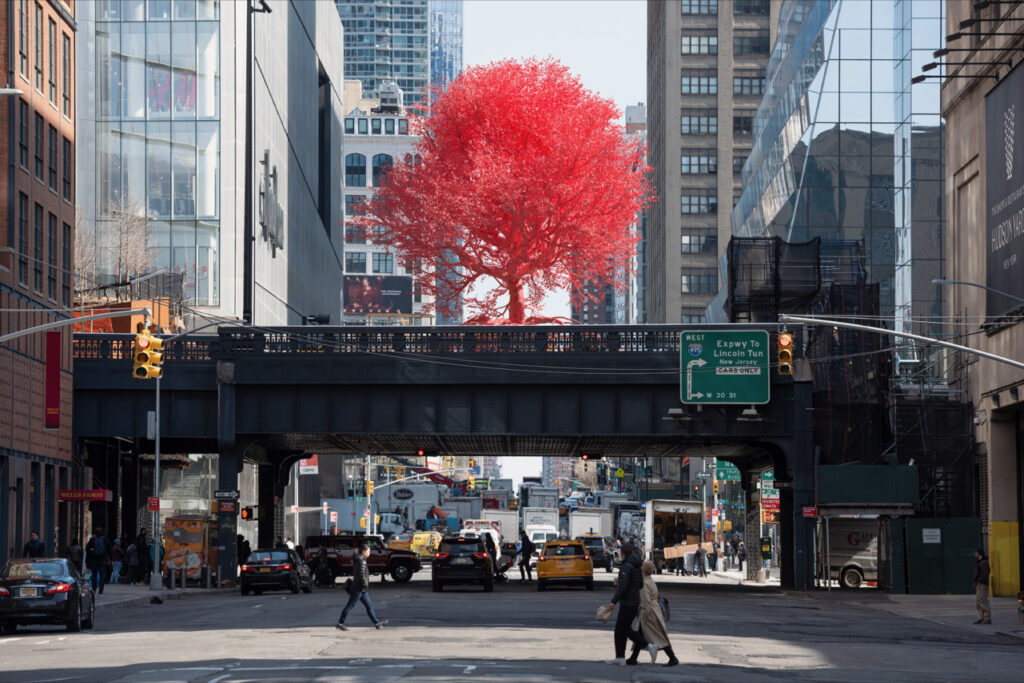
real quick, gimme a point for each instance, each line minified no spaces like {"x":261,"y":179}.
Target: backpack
{"x":99,"y":546}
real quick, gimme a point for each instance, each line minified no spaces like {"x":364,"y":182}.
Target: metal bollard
{"x":170,"y":578}
{"x":206,"y":576}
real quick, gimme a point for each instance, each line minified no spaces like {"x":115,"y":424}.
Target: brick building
{"x":37,"y":202}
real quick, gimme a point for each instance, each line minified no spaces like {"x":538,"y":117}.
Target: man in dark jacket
{"x":97,"y":556}
{"x":357,"y":591}
{"x":981,"y":574}
{"x":34,"y":547}
{"x":627,"y":595}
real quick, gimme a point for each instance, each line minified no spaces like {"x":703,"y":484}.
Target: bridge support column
{"x":229,"y":464}
{"x":796,"y":532}
{"x":752,"y":526}
{"x":268,"y":509}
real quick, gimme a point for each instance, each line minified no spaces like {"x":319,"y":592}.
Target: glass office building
{"x":158,"y":134}
{"x":845,"y":148}
{"x":445,"y":41}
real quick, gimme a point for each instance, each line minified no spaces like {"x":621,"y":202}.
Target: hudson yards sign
{"x":1004,"y":191}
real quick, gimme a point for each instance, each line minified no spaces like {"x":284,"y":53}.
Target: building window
{"x":39,"y":146}
{"x":748,"y":83}
{"x":700,"y":6}
{"x":375,"y":126}
{"x":381,"y":165}
{"x":22,"y":239}
{"x":350,"y":126}
{"x":37,"y":281}
{"x":699,"y":82}
{"x":742,"y":125}
{"x":750,"y":7}
{"x":737,"y":163}
{"x":389,"y":126}
{"x":691,"y":315}
{"x":699,"y":241}
{"x":66,"y":170}
{"x":700,"y":44}
{"x":355,"y":262}
{"x":23,"y":38}
{"x":66,"y":77}
{"x":355,"y":170}
{"x":383,"y":263}
{"x":51,"y":258}
{"x":699,"y":161}
{"x":354,"y":204}
{"x":39,"y":47}
{"x":403,"y":126}
{"x":52,"y":71}
{"x":355,"y":234}
{"x":364,"y":127}
{"x":699,"y":203}
{"x":699,"y":122}
{"x":23,"y":134}
{"x":750,"y":43}
{"x":699,"y":280}
{"x":53,"y":158}
{"x":66,"y":266}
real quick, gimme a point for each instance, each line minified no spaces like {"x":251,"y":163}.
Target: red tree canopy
{"x":526,"y":179}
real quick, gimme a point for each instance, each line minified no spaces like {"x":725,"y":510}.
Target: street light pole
{"x":943,"y":281}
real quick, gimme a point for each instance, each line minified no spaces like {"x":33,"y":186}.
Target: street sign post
{"x":153,"y":503}
{"x":724,"y":366}
{"x":225,"y":495}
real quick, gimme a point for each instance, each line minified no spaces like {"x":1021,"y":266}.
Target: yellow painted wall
{"x":1004,"y":558}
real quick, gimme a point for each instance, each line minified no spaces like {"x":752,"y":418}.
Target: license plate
{"x":264,"y":570}
{"x":462,"y":560}
{"x":27,"y":592}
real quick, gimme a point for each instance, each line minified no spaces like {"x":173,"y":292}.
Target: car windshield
{"x":593,"y":542}
{"x":268,"y":556}
{"x":34,"y":570}
{"x":460,"y":547}
{"x":557,"y":550}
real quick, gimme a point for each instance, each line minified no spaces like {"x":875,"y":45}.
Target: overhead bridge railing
{"x":433,"y":340}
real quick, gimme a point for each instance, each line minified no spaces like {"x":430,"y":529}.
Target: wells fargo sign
{"x":105,"y":495}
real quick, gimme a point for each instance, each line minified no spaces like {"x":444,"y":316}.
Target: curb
{"x":133,"y":600}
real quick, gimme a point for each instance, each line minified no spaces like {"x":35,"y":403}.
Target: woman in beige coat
{"x":652,"y":623}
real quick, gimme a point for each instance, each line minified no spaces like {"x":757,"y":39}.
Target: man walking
{"x":698,"y":561}
{"x":525,"y":553}
{"x":981,"y":574}
{"x":627,"y":595}
{"x":97,"y":556}
{"x":357,"y":591}
{"x":34,"y":547}
{"x":117,"y":557}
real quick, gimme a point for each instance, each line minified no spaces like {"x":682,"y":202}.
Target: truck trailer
{"x":590,"y":521}
{"x":667,"y":520}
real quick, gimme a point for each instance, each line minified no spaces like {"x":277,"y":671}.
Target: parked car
{"x":601,"y":553}
{"x":565,"y":562}
{"x":44,"y":591}
{"x":274,"y":569}
{"x":400,"y":564}
{"x":462,"y":559}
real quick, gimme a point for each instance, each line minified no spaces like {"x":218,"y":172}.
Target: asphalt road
{"x":721,"y":633}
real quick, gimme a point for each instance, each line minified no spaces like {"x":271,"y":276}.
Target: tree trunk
{"x":516,"y":314}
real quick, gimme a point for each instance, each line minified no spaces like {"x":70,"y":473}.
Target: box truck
{"x":590,"y":521}
{"x":508,"y":521}
{"x":463,"y":507}
{"x":668,"y":519}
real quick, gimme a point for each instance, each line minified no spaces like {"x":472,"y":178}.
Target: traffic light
{"x":591,"y":456}
{"x":714,"y":486}
{"x":472,"y":463}
{"x":246,"y":514}
{"x":147,"y":356}
{"x":785,"y":353}
{"x":369,"y":487}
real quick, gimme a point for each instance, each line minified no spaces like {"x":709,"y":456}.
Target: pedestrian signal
{"x":247,"y":514}
{"x":147,"y":356}
{"x":785,"y":354}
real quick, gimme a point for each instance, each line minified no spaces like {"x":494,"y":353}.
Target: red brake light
{"x":285,"y":566}
{"x":440,"y":556}
{"x":247,"y":568}
{"x":59,"y":588}
{"x":480,"y":555}
{"x":4,"y":591}
{"x":586,"y":557}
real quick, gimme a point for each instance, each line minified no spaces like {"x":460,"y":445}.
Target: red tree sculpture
{"x":526,"y":179}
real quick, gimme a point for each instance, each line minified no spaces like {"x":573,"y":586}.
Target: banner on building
{"x":378,"y":294}
{"x":1004,"y":194}
{"x":52,"y":385}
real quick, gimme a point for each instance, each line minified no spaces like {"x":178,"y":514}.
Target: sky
{"x":604,"y":42}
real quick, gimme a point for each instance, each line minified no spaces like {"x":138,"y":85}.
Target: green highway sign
{"x":724,"y":366}
{"x":726,"y":471}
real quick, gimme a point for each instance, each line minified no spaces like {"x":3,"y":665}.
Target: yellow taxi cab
{"x":401,"y":542}
{"x":425,"y":543}
{"x":565,"y":561}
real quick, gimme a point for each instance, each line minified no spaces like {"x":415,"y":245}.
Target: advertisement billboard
{"x":378,"y":294}
{"x":1004,"y":193}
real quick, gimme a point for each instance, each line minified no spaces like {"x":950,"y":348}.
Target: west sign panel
{"x":724,"y":366}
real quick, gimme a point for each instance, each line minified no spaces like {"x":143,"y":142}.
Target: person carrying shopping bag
{"x":652,"y":621}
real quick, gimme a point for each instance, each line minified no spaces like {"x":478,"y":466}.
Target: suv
{"x":600,"y":550}
{"x":400,"y":564}
{"x":462,"y":559}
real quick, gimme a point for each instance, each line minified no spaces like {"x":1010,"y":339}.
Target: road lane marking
{"x":469,"y":669}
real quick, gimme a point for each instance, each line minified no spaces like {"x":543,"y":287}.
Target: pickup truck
{"x":400,"y":564}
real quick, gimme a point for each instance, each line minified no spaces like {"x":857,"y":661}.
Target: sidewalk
{"x":950,"y":610}
{"x":124,"y":595}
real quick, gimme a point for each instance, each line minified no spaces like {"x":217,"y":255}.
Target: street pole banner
{"x":52,"y":385}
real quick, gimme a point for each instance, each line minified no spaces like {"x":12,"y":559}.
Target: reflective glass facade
{"x":158,"y":135}
{"x":846,"y":149}
{"x":445,"y":41}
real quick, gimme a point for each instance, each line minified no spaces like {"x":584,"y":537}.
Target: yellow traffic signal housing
{"x":147,"y":356}
{"x":369,"y":488}
{"x":715,"y":486}
{"x":785,"y":354}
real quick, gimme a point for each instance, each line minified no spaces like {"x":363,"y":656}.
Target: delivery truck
{"x":462,"y":507}
{"x":590,"y":521}
{"x":852,"y":550}
{"x":667,"y":520}
{"x":538,"y":497}
{"x":508,"y":521}
{"x":351,"y":517}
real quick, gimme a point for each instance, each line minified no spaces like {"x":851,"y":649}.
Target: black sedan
{"x":600,"y":549}
{"x":273,"y":569}
{"x":461,"y":559}
{"x":44,"y":591}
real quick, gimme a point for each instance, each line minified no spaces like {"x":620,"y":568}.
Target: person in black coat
{"x":981,"y":576}
{"x":627,"y":596}
{"x":357,"y":590}
{"x":97,"y":557}
{"x":34,"y":547}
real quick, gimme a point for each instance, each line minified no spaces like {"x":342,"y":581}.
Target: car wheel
{"x":488,"y":586}
{"x":540,"y":585}
{"x":608,"y":567}
{"x":294,"y":587}
{"x":308,"y":588}
{"x":75,"y":622}
{"x":246,"y":590}
{"x":401,"y":572}
{"x":91,"y":621}
{"x":852,"y":578}
{"x":590,"y":584}
{"x":437,"y":586}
